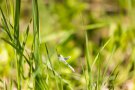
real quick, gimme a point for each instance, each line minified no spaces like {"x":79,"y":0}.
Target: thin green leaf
{"x":25,"y":37}
{"x":6,"y":25}
{"x":88,"y":63}
{"x":49,"y":58}
{"x":95,"y":26}
{"x":96,"y":58}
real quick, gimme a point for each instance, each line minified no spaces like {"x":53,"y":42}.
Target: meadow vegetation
{"x":67,"y":45}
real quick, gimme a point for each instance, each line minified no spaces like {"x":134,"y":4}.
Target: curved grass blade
{"x":96,"y":58}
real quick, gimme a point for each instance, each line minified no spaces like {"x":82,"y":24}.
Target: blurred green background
{"x":63,"y":24}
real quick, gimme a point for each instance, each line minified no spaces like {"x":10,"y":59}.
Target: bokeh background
{"x":63,"y":24}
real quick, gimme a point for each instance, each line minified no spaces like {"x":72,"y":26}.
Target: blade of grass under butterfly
{"x":69,"y":66}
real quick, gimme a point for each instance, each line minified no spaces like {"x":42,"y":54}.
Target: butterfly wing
{"x":66,"y":58}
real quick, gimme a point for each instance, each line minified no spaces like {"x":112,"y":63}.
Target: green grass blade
{"x":36,"y":42}
{"x":39,"y":84}
{"x":16,"y":20}
{"x":49,"y":58}
{"x":112,"y":78}
{"x":95,"y":26}
{"x":17,"y":43}
{"x":25,"y":37}
{"x":110,"y":58}
{"x":88,"y":64}
{"x":6,"y":25}
{"x":96,"y":58}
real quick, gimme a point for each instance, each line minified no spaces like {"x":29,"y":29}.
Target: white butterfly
{"x":63,"y":59}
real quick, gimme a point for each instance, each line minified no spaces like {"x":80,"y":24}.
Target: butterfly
{"x":63,"y":59}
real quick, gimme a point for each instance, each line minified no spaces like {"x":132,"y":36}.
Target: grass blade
{"x":6,"y":25}
{"x":96,"y":58}
{"x":88,"y":64}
